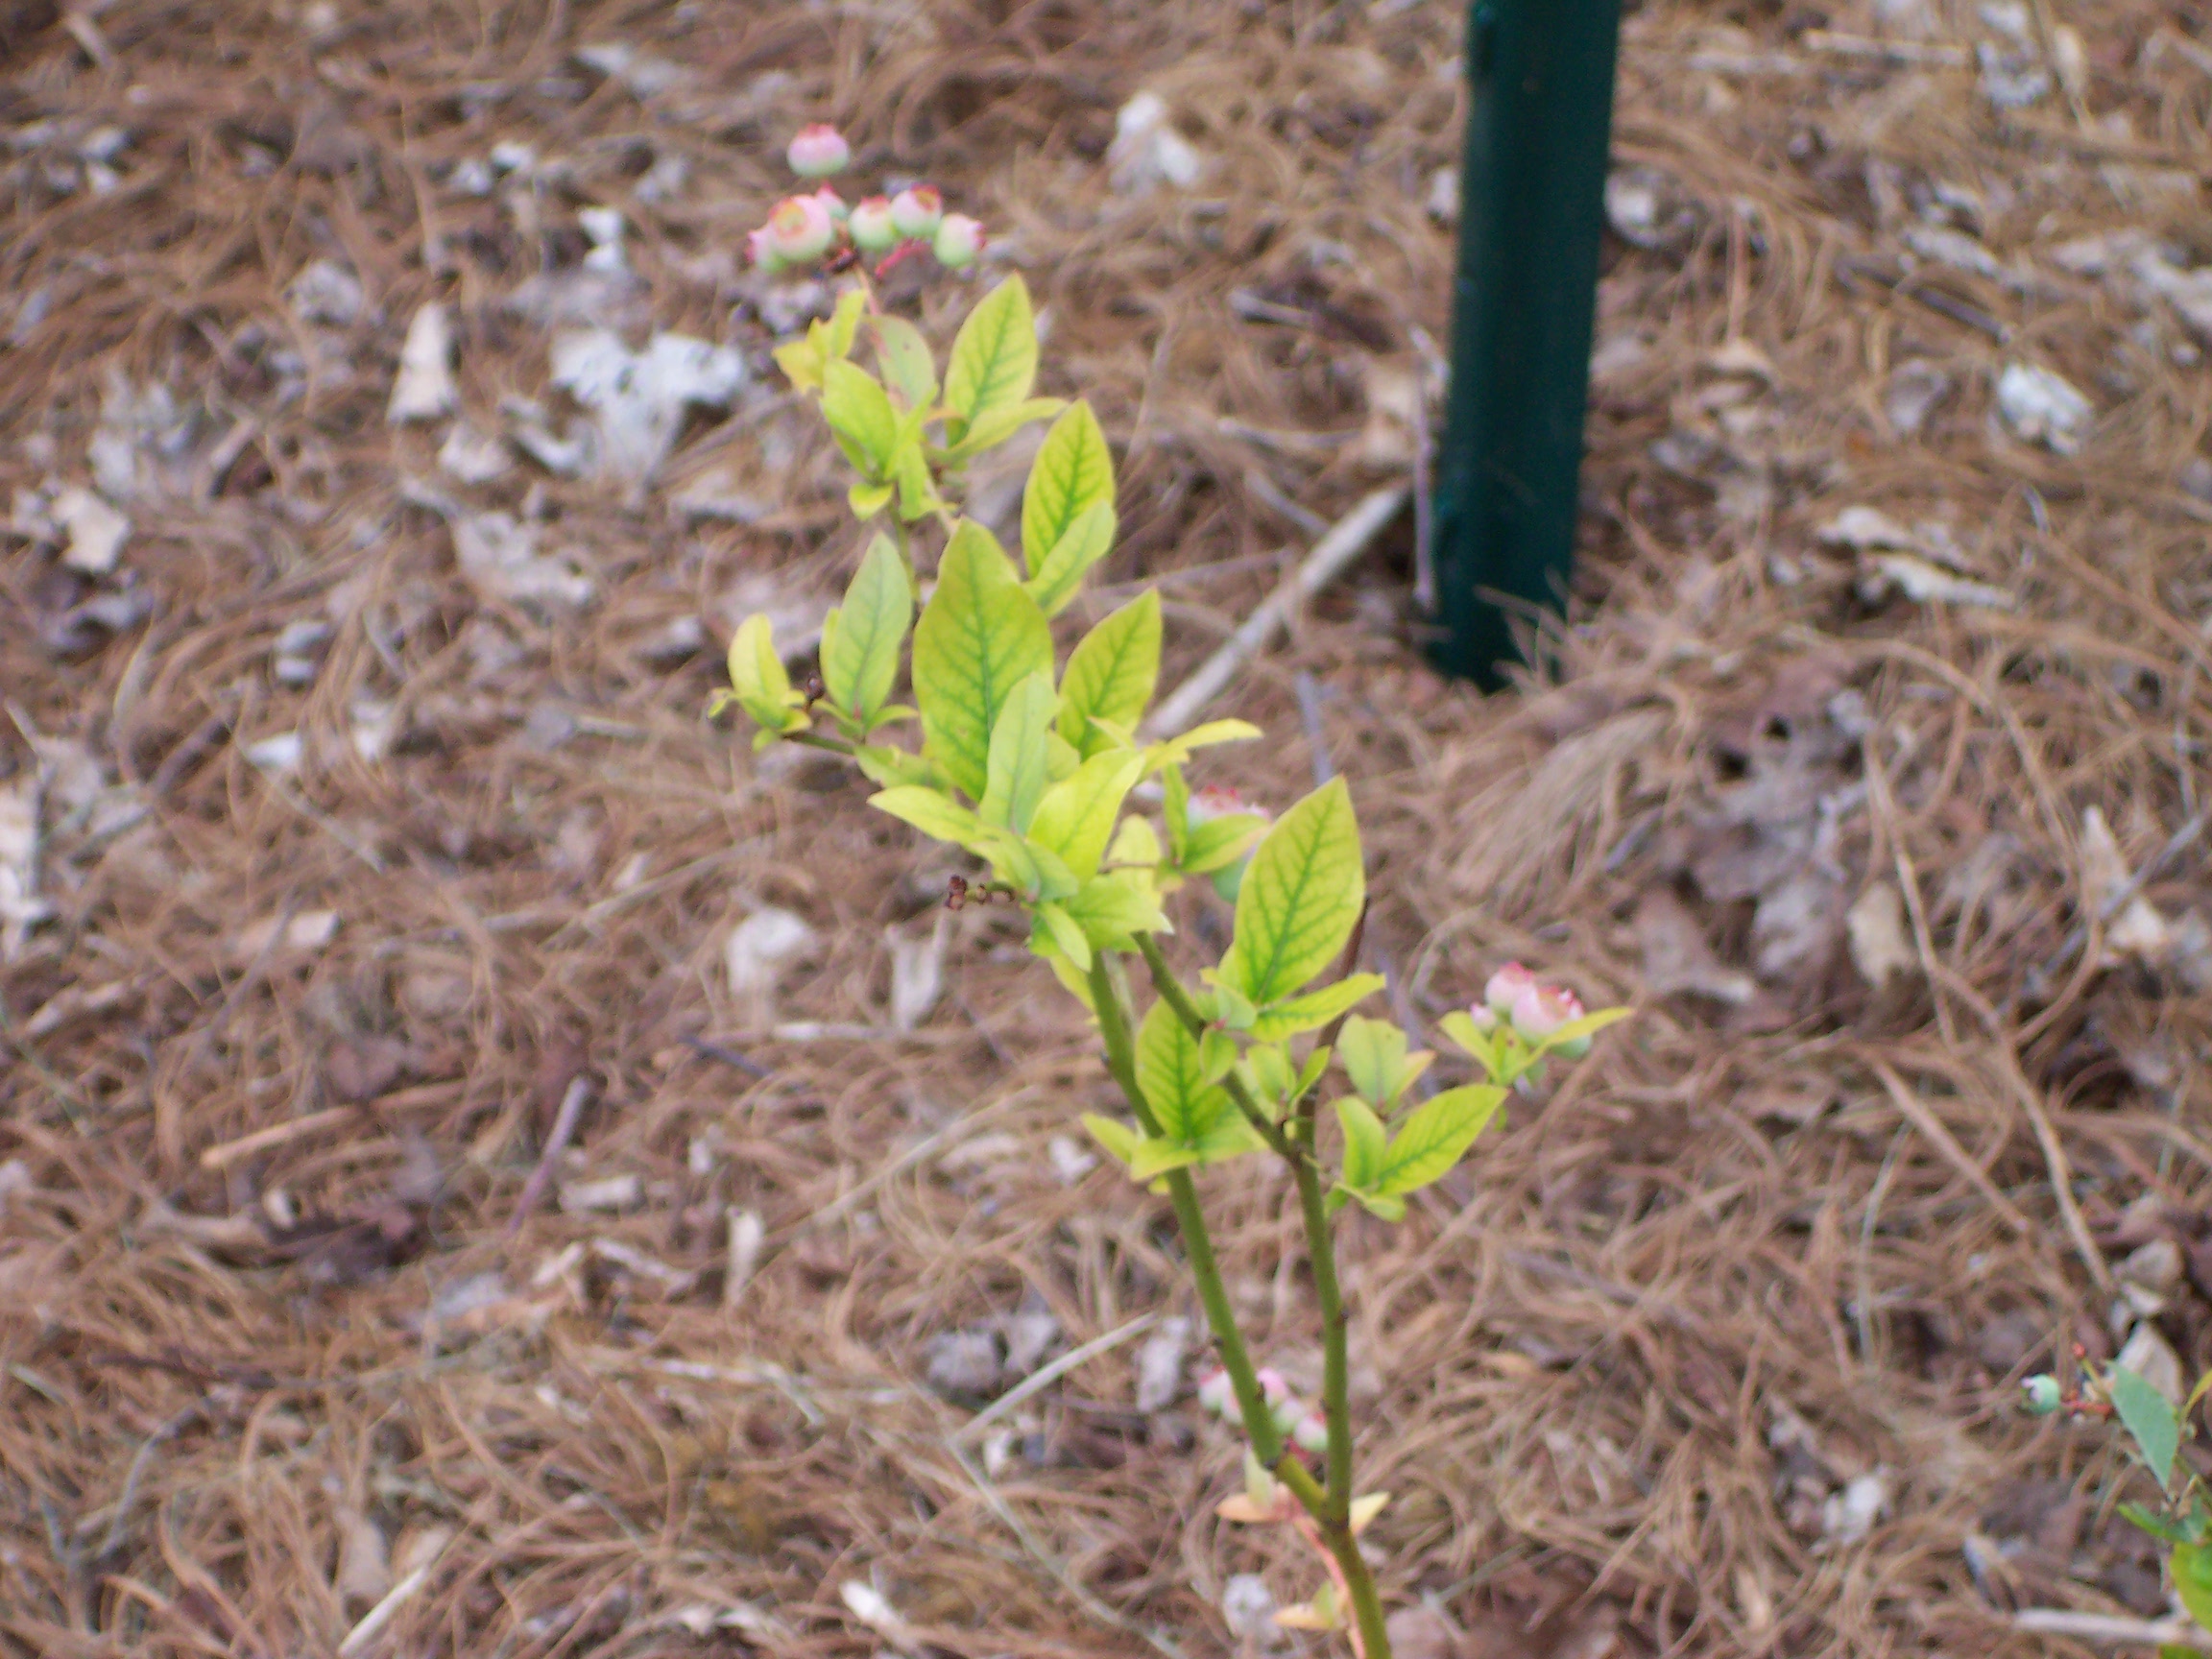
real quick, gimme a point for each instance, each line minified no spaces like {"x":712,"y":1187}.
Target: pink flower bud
{"x":1543,"y":1009}
{"x":917,"y":212}
{"x":870,"y":226}
{"x":1481,"y":1017}
{"x":835,"y":203}
{"x":800,"y":231}
{"x":1216,"y":1393}
{"x":819,"y":151}
{"x":1219,"y":801}
{"x":1310,"y":1433}
{"x":1505,"y":987}
{"x":1273,"y":1385}
{"x":960,"y":239}
{"x":759,"y":254}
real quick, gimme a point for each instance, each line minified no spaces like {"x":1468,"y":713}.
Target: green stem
{"x":1336,"y":1366}
{"x":1197,"y":1244}
{"x":814,"y":740}
{"x":1366,"y":1601}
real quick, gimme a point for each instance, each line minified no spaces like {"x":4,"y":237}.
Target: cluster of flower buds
{"x":1532,"y":1007}
{"x":818,"y":227}
{"x":1306,"y":1425}
{"x":2043,"y":1396}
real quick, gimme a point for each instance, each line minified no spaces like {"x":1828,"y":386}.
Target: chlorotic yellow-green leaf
{"x":861,"y":649}
{"x":1435,"y":1136}
{"x":1136,"y":845}
{"x":1574,"y":1030}
{"x":1111,"y":673}
{"x":1365,"y":1140}
{"x":1061,"y":757}
{"x":2192,"y":1565}
{"x":1372,"y":1051}
{"x":1158,"y":1156}
{"x":1176,"y":751}
{"x":1060,"y":577}
{"x":860,"y":416}
{"x":904,"y":356}
{"x":1119,"y":1139}
{"x":1066,"y":934}
{"x":1112,"y":907}
{"x":932,"y":812}
{"x":1316,"y":1009}
{"x":1220,"y":842}
{"x":1267,"y":1072}
{"x":979,"y":636}
{"x":917,"y":495}
{"x":1300,"y":897}
{"x":758,"y":679}
{"x":1077,"y":817}
{"x":837,"y":334}
{"x":1231,"y":1138}
{"x":1073,"y":474}
{"x":994,"y":360}
{"x":994,"y":426}
{"x":1015,"y":768}
{"x":889,"y":768}
{"x":801,"y":362}
{"x":1173,"y":1079}
{"x":867,"y":499}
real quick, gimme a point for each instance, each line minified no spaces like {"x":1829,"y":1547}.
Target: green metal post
{"x":1533,"y":189}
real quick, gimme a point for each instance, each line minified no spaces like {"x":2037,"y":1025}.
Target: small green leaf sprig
{"x":1028,"y":760}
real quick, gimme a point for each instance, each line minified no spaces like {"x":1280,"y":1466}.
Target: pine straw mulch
{"x":1759,"y":1280}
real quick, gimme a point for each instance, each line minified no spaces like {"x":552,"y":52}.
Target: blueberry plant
{"x":1029,"y":761}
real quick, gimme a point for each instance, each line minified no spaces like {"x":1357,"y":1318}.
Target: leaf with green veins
{"x":1364,"y":1142}
{"x":1066,"y":934}
{"x":1114,"y":907}
{"x":933,"y":812}
{"x":1014,"y":770}
{"x":979,"y":636}
{"x":1176,"y":803}
{"x":860,"y":417}
{"x":994,"y":360}
{"x":759,"y":681}
{"x":2150,"y":1419}
{"x":860,"y":640}
{"x":1136,"y":845}
{"x":1169,"y":1070}
{"x":1372,"y":1051}
{"x":1077,"y":817}
{"x":1111,"y":673}
{"x":994,"y":426}
{"x":1301,"y":896}
{"x":889,"y":768}
{"x":1434,"y":1137}
{"x":1176,"y":751}
{"x":1060,"y":576}
{"x":2192,"y":1565}
{"x":1220,"y":842}
{"x":1316,"y":1009}
{"x":1119,"y":1139}
{"x":1073,"y":474}
{"x":835,"y":336}
{"x":904,"y":356}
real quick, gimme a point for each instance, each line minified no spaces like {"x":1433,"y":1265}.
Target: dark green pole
{"x":1532,"y":190}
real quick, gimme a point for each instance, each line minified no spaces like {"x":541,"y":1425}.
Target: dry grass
{"x":1750,"y":1253}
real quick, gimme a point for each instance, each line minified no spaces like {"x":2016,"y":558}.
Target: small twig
{"x":1316,"y":734}
{"x":2108,"y":1628}
{"x":124,"y":1505}
{"x":1330,"y":558}
{"x":377,"y":1616}
{"x":229,"y":1152}
{"x":563,"y":1127}
{"x":729,"y":1057}
{"x":1052,"y":1373}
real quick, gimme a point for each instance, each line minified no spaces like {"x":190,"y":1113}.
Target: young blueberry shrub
{"x":2157,"y":1428}
{"x":1028,"y":760}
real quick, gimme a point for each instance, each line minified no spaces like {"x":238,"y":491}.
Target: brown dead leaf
{"x":1677,"y":959}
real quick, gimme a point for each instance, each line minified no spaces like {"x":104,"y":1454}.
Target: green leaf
{"x":1316,"y":1009}
{"x":904,"y":356}
{"x":1066,"y":934}
{"x":1365,"y":1140}
{"x":868,"y":499}
{"x":994,"y":360}
{"x":1135,"y":844}
{"x":917,"y":495}
{"x":757,"y":678}
{"x":994,"y":426}
{"x":860,"y":638}
{"x":1233,"y":1008}
{"x":1060,"y":577}
{"x":1373,"y":1051}
{"x":1158,"y":1156}
{"x":835,"y":336}
{"x":1436,"y":1134}
{"x":1481,"y":1046}
{"x":2192,"y":1565}
{"x":889,"y":768}
{"x":1176,"y":751}
{"x":1183,"y":1104}
{"x":1014,"y":771}
{"x":1119,"y":1139}
{"x":1216,"y":1055}
{"x":1077,"y":817}
{"x":1301,"y":899}
{"x":932,"y":812}
{"x":1268,"y":1073}
{"x":1113,"y":906}
{"x":979,"y":636}
{"x":2150,"y":1419}
{"x":860,"y":416}
{"x":1233,"y":1137}
{"x":1111,"y":673}
{"x":2158,"y":1526}
{"x":1220,"y":842}
{"x":1576,"y":1029}
{"x":1073,"y":474}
